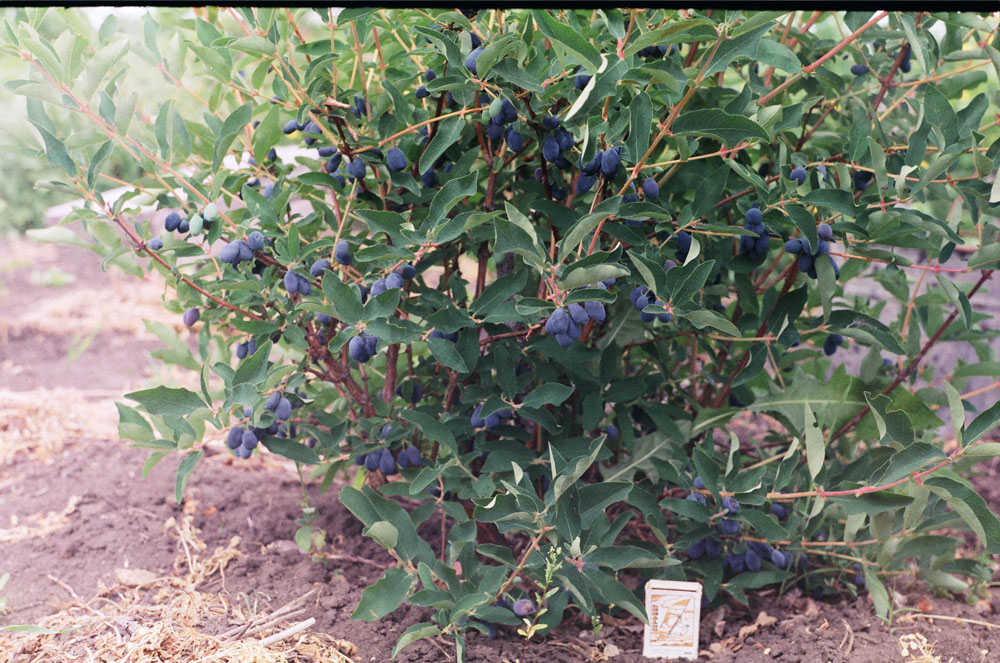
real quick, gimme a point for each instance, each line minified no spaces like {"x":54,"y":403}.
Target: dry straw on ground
{"x":144,"y":619}
{"x":42,"y":421}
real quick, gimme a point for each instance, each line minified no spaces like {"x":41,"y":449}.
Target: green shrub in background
{"x":533,"y":265}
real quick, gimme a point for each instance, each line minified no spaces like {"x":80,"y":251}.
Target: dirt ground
{"x":76,"y":517}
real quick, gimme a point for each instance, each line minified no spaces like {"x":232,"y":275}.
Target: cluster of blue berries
{"x":175,"y":222}
{"x":565,"y":323}
{"x":243,"y":440}
{"x":396,"y":279}
{"x":491,"y":421}
{"x":359,"y":107}
{"x":500,"y":114}
{"x":641,"y":297}
{"x":755,"y":247}
{"x":422,"y":92}
{"x":382,"y":460}
{"x":807,"y":258}
{"x":246,"y":348}
{"x":242,"y":250}
{"x":362,"y":347}
{"x":296,"y":283}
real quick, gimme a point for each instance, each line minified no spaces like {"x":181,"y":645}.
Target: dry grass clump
{"x":41,"y":421}
{"x":148,"y":619}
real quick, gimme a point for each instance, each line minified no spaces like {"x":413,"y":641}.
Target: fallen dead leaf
{"x":135,"y":577}
{"x":611,"y":650}
{"x":763,"y":620}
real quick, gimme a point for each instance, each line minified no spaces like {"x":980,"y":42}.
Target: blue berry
{"x":832,"y":342}
{"x":470,"y":61}
{"x":191,"y":316}
{"x":753,"y":217}
{"x":172,"y":222}
{"x":235,"y":437}
{"x":155,"y":244}
{"x":610,"y":161}
{"x":650,"y":189}
{"x":524,"y":607}
{"x":255,"y":241}
{"x":319,"y":267}
{"x":798,"y":175}
{"x":859,"y":70}
{"x":395,"y":159}
{"x":825,"y":232}
{"x":342,"y":252}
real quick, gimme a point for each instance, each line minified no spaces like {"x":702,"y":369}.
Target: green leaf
{"x":449,"y":196}
{"x":909,"y":460}
{"x":815,"y":447}
{"x":940,"y":115}
{"x":837,"y":200}
{"x":743,"y":45}
{"x":167,"y":401}
{"x":582,"y":50}
{"x":384,"y":533}
{"x":384,"y":596}
{"x":433,"y":430}
{"x":233,"y":125}
{"x":184,"y":472}
{"x":728,"y":128}
{"x":55,"y":150}
{"x":971,"y":507}
{"x":893,"y":423}
{"x":987,"y":256}
{"x":550,"y":393}
{"x":878,"y":592}
{"x":266,"y":135}
{"x":254,"y":45}
{"x":981,"y":425}
{"x":291,"y":449}
{"x":253,"y":369}
{"x":447,"y":134}
{"x":447,"y":354}
{"x":346,"y":298}
{"x":132,"y":425}
{"x":416,"y":632}
{"x":778,"y":55}
{"x":641,"y":116}
{"x":703,"y":317}
{"x":497,"y":292}
{"x":592,"y":275}
{"x":58,"y":235}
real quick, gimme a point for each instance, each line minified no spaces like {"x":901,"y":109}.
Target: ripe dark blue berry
{"x":524,"y":607}
{"x":430,"y":75}
{"x":235,"y":437}
{"x":798,"y":175}
{"x":612,"y":432}
{"x":319,"y":267}
{"x":832,"y":342}
{"x":342,"y":252}
{"x":255,"y":241}
{"x":155,"y":244}
{"x":395,"y":159}
{"x":408,"y":272}
{"x":610,"y":161}
{"x":470,"y":61}
{"x":356,"y":168}
{"x":515,"y":141}
{"x":650,"y":189}
{"x":859,"y":70}
{"x":291,"y":282}
{"x":191,"y":316}
{"x":291,"y":127}
{"x":825,"y":232}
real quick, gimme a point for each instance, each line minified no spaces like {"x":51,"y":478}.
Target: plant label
{"x":673,"y":610}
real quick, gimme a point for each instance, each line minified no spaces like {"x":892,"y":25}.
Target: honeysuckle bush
{"x":531,"y":269}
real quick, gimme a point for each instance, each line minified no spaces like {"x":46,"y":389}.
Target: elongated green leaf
{"x":384,"y":596}
{"x":549,"y":393}
{"x":449,"y":196}
{"x":253,"y":44}
{"x":167,"y":401}
{"x":971,"y":507}
{"x":447,"y":134}
{"x":582,"y":50}
{"x":346,"y":298}
{"x":233,"y":124}
{"x":728,"y":128}
{"x":413,"y":634}
{"x":184,"y":472}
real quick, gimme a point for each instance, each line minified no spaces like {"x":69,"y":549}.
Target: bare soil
{"x":105,"y":516}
